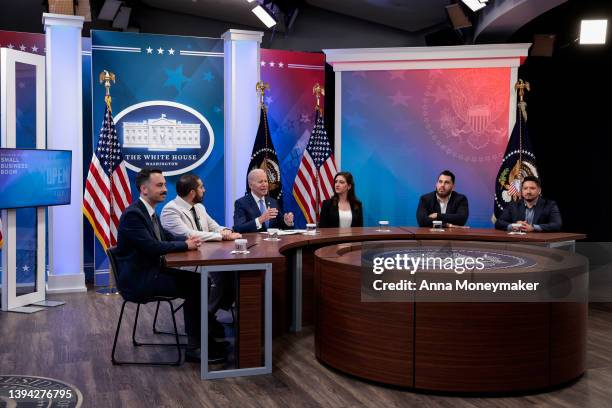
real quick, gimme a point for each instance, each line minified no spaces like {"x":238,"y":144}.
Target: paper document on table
{"x":287,"y":232}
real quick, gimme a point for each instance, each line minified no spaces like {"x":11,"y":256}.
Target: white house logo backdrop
{"x":166,"y":135}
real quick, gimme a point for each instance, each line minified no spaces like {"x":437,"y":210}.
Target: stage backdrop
{"x":26,"y":221}
{"x":401,"y":128}
{"x":290,"y":102}
{"x":168,"y":108}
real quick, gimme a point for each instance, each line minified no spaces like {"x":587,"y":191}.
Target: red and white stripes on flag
{"x":107,"y":188}
{"x":1,"y":236}
{"x":314,"y":181}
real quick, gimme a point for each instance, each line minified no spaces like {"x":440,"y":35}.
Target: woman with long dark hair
{"x":343,"y":209}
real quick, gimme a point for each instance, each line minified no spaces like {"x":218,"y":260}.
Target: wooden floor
{"x":72,"y":343}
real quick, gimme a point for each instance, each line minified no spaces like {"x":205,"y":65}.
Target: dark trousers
{"x":182,"y":284}
{"x":222,"y":291}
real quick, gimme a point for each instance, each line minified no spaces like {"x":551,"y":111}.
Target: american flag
{"x":1,"y":236}
{"x":107,"y":189}
{"x":314,"y":181}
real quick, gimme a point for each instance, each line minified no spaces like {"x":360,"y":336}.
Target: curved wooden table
{"x":452,"y":347}
{"x":295,"y":253}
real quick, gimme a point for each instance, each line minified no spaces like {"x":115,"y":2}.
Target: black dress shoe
{"x":193,"y":355}
{"x":216,"y":356}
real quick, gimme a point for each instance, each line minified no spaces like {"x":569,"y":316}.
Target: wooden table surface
{"x":219,"y":253}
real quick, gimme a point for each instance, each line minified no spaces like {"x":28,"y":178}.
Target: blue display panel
{"x":34,"y":178}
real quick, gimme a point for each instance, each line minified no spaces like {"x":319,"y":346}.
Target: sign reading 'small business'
{"x":166,"y":135}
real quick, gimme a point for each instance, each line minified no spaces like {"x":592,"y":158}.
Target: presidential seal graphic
{"x":167,"y":135}
{"x":516,"y":165}
{"x":29,"y":391}
{"x":465,"y":112}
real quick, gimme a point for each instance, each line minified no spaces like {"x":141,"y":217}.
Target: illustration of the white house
{"x":161,"y":134}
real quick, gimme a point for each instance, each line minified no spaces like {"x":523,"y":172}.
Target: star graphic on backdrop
{"x":176,"y":78}
{"x":208,"y":76}
{"x":25,"y":268}
{"x":263,"y":63}
{"x":271,"y":64}
{"x":355,"y":120}
{"x":11,"y":46}
{"x":289,"y":125}
{"x":160,"y":51}
{"x":400,"y":99}
{"x":149,"y":50}
{"x":34,"y":48}
{"x":438,"y":95}
{"x":217,"y":109}
{"x":280,"y":65}
{"x":171,"y":51}
{"x":357,"y":94}
{"x":397,"y":74}
{"x":22,"y":47}
{"x":305,"y":118}
{"x":269,"y":100}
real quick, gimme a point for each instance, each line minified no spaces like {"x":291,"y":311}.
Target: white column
{"x":241,"y":110}
{"x":65,"y":131}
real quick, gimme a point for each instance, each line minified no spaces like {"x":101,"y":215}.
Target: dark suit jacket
{"x":246,"y":210}
{"x":456,"y":210}
{"x":547,"y":215}
{"x":139,"y":253}
{"x":330,"y":218}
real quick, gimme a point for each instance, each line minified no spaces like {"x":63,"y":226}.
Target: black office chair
{"x":112,"y":257}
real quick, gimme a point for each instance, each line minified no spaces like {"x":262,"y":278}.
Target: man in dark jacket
{"x":532,"y":212}
{"x":444,"y":204}
{"x":141,"y":245}
{"x":256,"y":211}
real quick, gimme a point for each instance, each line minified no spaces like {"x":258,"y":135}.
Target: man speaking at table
{"x":256,"y":211}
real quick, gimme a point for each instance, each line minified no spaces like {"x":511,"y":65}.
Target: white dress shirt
{"x":257,"y":223}
{"x":150,"y":209}
{"x":346,"y":218}
{"x":177,"y":218}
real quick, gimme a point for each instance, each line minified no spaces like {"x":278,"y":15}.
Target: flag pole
{"x":260,"y":88}
{"x":105,"y":78}
{"x":520,"y":87}
{"x":317,"y":91}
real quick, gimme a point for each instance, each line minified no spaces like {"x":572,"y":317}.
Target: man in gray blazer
{"x":186,"y":216}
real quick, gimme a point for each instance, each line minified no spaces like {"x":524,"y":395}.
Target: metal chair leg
{"x":176,"y":336}
{"x":176,"y":344}
{"x":113,"y":359}
{"x":155,"y":318}
{"x":134,"y":342}
{"x":173,"y":311}
{"x":138,"y":343}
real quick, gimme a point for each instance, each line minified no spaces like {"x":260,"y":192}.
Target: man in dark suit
{"x":532,"y":212}
{"x":444,"y":204}
{"x":256,"y":211}
{"x":141,"y":245}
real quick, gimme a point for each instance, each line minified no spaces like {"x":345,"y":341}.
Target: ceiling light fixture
{"x":593,"y":31}
{"x":265,"y":16}
{"x":474,"y":5}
